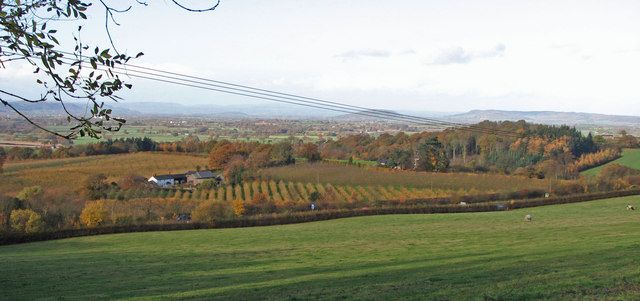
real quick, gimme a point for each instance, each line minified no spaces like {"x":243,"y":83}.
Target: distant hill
{"x":125,"y":108}
{"x":51,"y":108}
{"x":267,"y":110}
{"x":546,"y":117}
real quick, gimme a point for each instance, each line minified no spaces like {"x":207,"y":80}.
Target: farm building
{"x":197,"y":177}
{"x":190,"y":177}
{"x":168,"y":180}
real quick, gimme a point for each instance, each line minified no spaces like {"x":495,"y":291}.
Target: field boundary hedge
{"x":310,"y":216}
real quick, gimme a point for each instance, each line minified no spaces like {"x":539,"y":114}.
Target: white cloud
{"x":366,"y":53}
{"x":459,"y":55}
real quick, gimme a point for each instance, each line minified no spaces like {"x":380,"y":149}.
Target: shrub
{"x":94,"y":214}
{"x":131,"y":181}
{"x":617,"y":171}
{"x":209,"y":212}
{"x":314,"y":196}
{"x":238,"y":207}
{"x":567,"y":188}
{"x":30,"y":193}
{"x":6,"y":207}
{"x":208,"y":184}
{"x":95,"y":186}
{"x":26,"y":220}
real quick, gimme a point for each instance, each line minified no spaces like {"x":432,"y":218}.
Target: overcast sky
{"x":402,"y":55}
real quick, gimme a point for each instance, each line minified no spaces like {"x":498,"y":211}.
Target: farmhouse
{"x":168,"y":180}
{"x":190,"y":177}
{"x":197,"y":177}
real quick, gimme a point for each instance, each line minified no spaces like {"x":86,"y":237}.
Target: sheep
{"x":629,"y":207}
{"x":463,"y":203}
{"x":528,"y":218}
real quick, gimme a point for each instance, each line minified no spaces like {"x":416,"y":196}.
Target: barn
{"x":168,"y":180}
{"x":197,"y":177}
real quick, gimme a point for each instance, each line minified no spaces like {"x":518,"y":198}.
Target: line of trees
{"x":537,"y":151}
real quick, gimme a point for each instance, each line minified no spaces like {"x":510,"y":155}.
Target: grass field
{"x":57,"y":174}
{"x":630,"y":158}
{"x":588,"y":250}
{"x":352,"y":175}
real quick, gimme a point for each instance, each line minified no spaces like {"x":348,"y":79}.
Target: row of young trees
{"x":32,"y":211}
{"x":598,"y":158}
{"x":266,"y":197}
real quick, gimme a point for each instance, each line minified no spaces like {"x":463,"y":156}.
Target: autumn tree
{"x":7,"y":205}
{"x":431,"y":156}
{"x":260,"y":203}
{"x":400,"y":158}
{"x":626,"y":141}
{"x":131,"y":181}
{"x":308,"y":151}
{"x":95,"y":187}
{"x":235,"y":171}
{"x":26,"y":220}
{"x":223,"y":153}
{"x":3,"y":158}
{"x":281,"y":154}
{"x":30,"y":194}
{"x":94,"y":214}
{"x":238,"y":207}
{"x":260,"y":156}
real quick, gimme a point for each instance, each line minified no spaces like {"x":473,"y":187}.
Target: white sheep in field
{"x":528,"y":218}
{"x":629,"y":207}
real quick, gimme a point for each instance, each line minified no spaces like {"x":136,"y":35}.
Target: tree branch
{"x":8,"y":104}
{"x":196,"y":10}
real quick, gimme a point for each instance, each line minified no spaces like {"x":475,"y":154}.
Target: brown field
{"x":64,"y":176}
{"x":370,"y":176}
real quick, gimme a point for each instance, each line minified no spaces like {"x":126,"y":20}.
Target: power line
{"x":298,"y":98}
{"x":368,"y":112}
{"x":260,"y":91}
{"x":249,"y":89}
{"x":270,"y":95}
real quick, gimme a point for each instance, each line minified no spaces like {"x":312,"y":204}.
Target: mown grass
{"x":66,"y":175}
{"x":341,"y":174}
{"x":577,"y":251}
{"x":630,"y":158}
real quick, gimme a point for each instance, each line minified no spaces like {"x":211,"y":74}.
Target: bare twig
{"x":196,"y":10}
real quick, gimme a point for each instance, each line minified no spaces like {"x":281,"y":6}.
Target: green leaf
{"x":105,"y":53}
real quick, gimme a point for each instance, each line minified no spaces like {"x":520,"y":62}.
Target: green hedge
{"x":310,"y":216}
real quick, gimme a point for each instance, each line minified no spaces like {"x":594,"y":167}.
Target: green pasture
{"x":578,"y":251}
